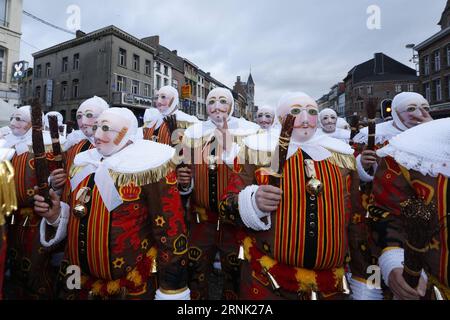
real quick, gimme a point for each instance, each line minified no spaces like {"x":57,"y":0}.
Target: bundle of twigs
{"x":56,"y":146}
{"x":283,"y":146}
{"x":417,"y":223}
{"x":354,"y":122}
{"x":40,"y":159}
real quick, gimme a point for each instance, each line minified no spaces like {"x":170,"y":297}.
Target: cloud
{"x":289,"y":45}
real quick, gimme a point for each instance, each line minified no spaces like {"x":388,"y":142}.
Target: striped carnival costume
{"x":405,"y":105}
{"x":299,"y":250}
{"x":165,"y":123}
{"x":211,"y":170}
{"x":31,"y":274}
{"x":413,"y":177}
{"x":124,"y":220}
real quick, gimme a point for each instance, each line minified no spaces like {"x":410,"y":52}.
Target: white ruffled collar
{"x":319,"y":147}
{"x":236,"y":127}
{"x":140,"y":156}
{"x":76,"y":137}
{"x":19,"y":143}
{"x":383,"y":132}
{"x":339,"y":133}
{"x":424,"y":148}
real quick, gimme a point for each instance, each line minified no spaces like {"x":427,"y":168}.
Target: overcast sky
{"x":296,"y":45}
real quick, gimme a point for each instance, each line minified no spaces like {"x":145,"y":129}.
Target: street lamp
{"x":415,"y":57}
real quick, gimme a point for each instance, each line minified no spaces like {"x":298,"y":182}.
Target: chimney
{"x":151,"y":41}
{"x":175,"y":52}
{"x":209,"y":74}
{"x":79,"y":34}
{"x":238,"y":79}
{"x":378,"y":63}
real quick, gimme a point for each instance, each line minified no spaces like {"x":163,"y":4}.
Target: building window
{"x":410,"y":87}
{"x":76,"y":61}
{"x":121,"y":84}
{"x":398,"y":88}
{"x":3,"y":11}
{"x":2,"y":65}
{"x":65,"y":64}
{"x":135,"y":87}
{"x":437,"y":61}
{"x":158,"y":66}
{"x":166,"y":81}
{"x":175,"y":83}
{"x":448,"y":56}
{"x":147,"y":90}
{"x":122,"y":57}
{"x":38,"y":92}
{"x":166,"y":70}
{"x":48,"y":69}
{"x":136,"y":62}
{"x":75,"y":88}
{"x":38,"y":71}
{"x":369,"y":90}
{"x":426,"y":65}
{"x":63,"y":90}
{"x":148,"y":67}
{"x":158,"y":82}
{"x":427,"y":91}
{"x":438,"y":90}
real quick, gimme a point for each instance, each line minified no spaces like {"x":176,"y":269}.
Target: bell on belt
{"x":314,"y":187}
{"x":241,"y":255}
{"x":25,"y":223}
{"x":345,"y":286}
{"x":314,"y":295}
{"x":212,"y":163}
{"x":437,"y":293}
{"x":154,"y":265}
{"x":197,"y":216}
{"x":83,"y":196}
{"x":13,"y":220}
{"x":273,"y":282}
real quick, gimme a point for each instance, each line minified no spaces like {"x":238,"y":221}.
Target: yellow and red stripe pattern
{"x":290,"y":227}
{"x":201,"y":179}
{"x":97,"y":241}
{"x":442,"y":203}
{"x":20,"y":164}
{"x":163,"y":134}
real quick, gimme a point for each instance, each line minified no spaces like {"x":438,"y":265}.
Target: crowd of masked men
{"x":297,"y":205}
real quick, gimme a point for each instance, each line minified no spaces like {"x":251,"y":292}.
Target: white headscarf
{"x":402,"y":100}
{"x":342,"y":124}
{"x":98,"y":103}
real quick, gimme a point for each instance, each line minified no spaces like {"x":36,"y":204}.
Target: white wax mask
{"x":219,"y":105}
{"x":328,"y":120}
{"x":306,"y":113}
{"x":164,"y":100}
{"x":408,"y":113}
{"x":264,"y":119}
{"x":109,"y":132}
{"x":20,"y":121}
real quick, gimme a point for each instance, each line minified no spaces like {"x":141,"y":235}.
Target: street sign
{"x":185,"y":91}
{"x":49,"y":93}
{"x":19,"y":70}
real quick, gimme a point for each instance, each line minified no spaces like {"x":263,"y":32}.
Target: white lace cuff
{"x":363,"y":175}
{"x":392,"y":259}
{"x":248,"y":210}
{"x":61,"y":225}
{"x":185,"y":295}
{"x":185,"y":192}
{"x":361,"y":291}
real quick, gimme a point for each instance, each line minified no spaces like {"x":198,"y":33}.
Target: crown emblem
{"x":171,"y":177}
{"x":130,"y":192}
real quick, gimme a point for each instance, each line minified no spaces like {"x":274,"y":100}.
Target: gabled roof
{"x":389,"y":69}
{"x":94,"y":35}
